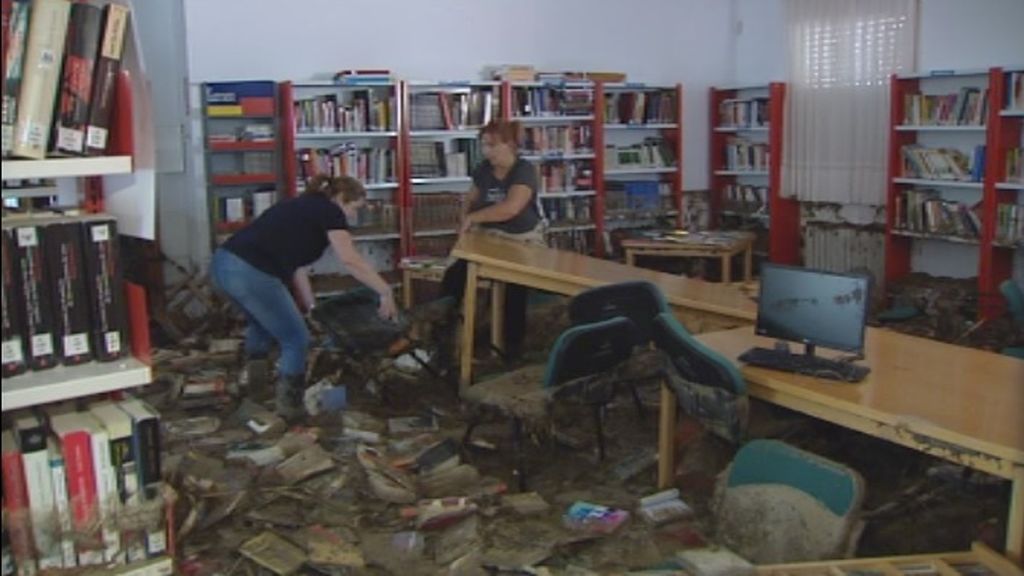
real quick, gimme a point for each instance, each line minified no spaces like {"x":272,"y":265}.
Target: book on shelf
{"x":744,"y":155}
{"x":106,"y":295}
{"x":13,"y":324}
{"x":62,"y":506}
{"x":74,"y":434}
{"x":1015,"y":91}
{"x":146,"y":448}
{"x":1014,"y":166}
{"x":364,"y":111}
{"x":1010,"y":223}
{"x":745,"y":197}
{"x":539,"y":102}
{"x":29,"y":243}
{"x":108,"y":65}
{"x":943,"y":163}
{"x":19,"y":522}
{"x":640,"y":107}
{"x":121,"y":480}
{"x":651,"y":153}
{"x":925,"y":211}
{"x":68,"y":290}
{"x":744,"y":112}
{"x":15,"y":37}
{"x":80,"y":51}
{"x":968,"y":107}
{"x":558,"y":177}
{"x":31,"y":434}
{"x":47,"y":29}
{"x":555,"y":140}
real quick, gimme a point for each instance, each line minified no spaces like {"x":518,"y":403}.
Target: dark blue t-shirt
{"x":288,"y":235}
{"x":494,"y":190}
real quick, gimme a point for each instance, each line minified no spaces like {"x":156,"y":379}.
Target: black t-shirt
{"x":494,"y":190}
{"x":288,"y":235}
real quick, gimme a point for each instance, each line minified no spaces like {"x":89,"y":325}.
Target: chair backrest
{"x":640,"y":301}
{"x":590,"y":349}
{"x":773,"y":462}
{"x":1014,"y":301}
{"x":695,"y":362}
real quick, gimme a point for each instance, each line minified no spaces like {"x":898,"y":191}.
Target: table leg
{"x":1015,"y":521}
{"x":468,"y":326}
{"x":406,"y":289}
{"x":498,"y":315}
{"x":726,"y":269}
{"x":666,"y":437}
{"x":748,"y":264}
{"x":630,"y":258}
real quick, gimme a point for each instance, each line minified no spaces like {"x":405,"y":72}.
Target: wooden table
{"x":960,"y":404}
{"x":722,"y":245}
{"x":701,"y":306}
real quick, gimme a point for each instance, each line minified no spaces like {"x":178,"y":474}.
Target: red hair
{"x":506,"y":131}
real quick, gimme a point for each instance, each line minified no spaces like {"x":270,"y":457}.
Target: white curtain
{"x":841,"y":56}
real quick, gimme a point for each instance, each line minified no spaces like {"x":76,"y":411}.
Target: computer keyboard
{"x":803,"y":364}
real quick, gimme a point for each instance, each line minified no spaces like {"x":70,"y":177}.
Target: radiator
{"x":843,"y":248}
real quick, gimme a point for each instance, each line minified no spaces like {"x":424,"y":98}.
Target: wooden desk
{"x":957,"y":403}
{"x":701,"y":306}
{"x":723,"y":245}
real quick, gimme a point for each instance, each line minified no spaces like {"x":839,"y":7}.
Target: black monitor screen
{"x":813,"y":307}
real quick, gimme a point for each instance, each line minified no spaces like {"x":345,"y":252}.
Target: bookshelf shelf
{"x":746,"y":131}
{"x":66,"y":167}
{"x":573,"y":194}
{"x":556,"y":156}
{"x":33,"y":192}
{"x":227,"y":147}
{"x":444,"y":180}
{"x":559,"y":228}
{"x":653,"y":126}
{"x":639,"y":171}
{"x":376,"y":237}
{"x":1012,"y":113}
{"x":243,"y":179}
{"x":66,"y":382}
{"x":939,"y":183}
{"x":343,"y":135}
{"x":938,"y":128}
{"x":552,"y":119}
{"x":456,"y":133}
{"x":435,"y":233}
{"x":981,"y":102}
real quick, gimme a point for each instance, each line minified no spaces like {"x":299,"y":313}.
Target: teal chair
{"x":582,"y":367}
{"x":707,"y":385}
{"x":1015,"y":305}
{"x":806,"y":507}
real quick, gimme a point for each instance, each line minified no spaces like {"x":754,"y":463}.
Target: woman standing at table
{"x":502,"y":201}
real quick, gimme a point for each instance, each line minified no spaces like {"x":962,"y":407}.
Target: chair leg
{"x":599,"y":410}
{"x":517,"y":445}
{"x":467,"y":436}
{"x":636,"y":399}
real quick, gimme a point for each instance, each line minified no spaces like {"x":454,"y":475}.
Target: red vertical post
{"x":677,"y":176}
{"x":286,"y":115}
{"x":598,"y":175}
{"x":716,"y":155}
{"x":784,"y":227}
{"x":897,"y":248}
{"x":403,"y":143}
{"x":996,"y":261}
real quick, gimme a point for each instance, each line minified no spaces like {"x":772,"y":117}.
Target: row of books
{"x":240,"y":99}
{"x":364,"y":111}
{"x":744,"y":197}
{"x":62,"y":292}
{"x":237,"y":164}
{"x":437,"y":246}
{"x":969,"y":107}
{"x":641,"y":108}
{"x":436,"y":211}
{"x":546,"y":101}
{"x":246,"y":133}
{"x":1014,"y":166}
{"x":744,"y":113}
{"x":574,"y":240}
{"x":233,"y":212}
{"x":567,"y":211}
{"x":61,"y":62}
{"x":927,"y":212}
{"x":432,"y":160}
{"x":377,"y":217}
{"x":943,"y":163}
{"x":558,"y":139}
{"x":576,"y":175}
{"x":1010,"y":223}
{"x":651,"y":153}
{"x":370,"y":165}
{"x":639,"y":195}
{"x":83,"y":487}
{"x":744,"y":155}
{"x":453,"y":110}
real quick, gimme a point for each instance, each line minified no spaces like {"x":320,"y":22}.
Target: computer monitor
{"x":814,"y":307}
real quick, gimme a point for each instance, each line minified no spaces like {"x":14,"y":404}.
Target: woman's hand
{"x":388,"y":310}
{"x":465,"y":225}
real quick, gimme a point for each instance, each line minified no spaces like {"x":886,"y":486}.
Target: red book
{"x":76,"y":446}
{"x":16,"y":501}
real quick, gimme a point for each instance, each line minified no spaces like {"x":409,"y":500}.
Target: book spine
{"x":106,"y":297}
{"x":58,"y":481}
{"x":31,"y":435}
{"x":108,"y":64}
{"x":147,"y":450}
{"x":15,"y":36}
{"x":122,"y":458}
{"x":36,"y":307}
{"x":13,"y":336}
{"x":80,"y":50}
{"x":67,"y":283}
{"x":47,"y":29}
{"x":81,"y":483}
{"x":106,"y":494}
{"x":16,"y":502}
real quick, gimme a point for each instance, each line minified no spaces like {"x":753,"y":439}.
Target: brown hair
{"x":506,"y":131}
{"x":348,"y":187}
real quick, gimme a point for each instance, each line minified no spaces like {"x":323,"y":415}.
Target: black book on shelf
{"x":13,"y":327}
{"x":105,"y":289}
{"x":68,"y":289}
{"x":75,"y":92}
{"x":107,"y":67}
{"x":29,"y":242}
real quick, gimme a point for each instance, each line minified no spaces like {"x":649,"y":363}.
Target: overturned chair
{"x":583,"y":367}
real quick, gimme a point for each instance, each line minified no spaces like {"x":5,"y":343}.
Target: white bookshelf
{"x":66,"y":167}
{"x":66,"y":382}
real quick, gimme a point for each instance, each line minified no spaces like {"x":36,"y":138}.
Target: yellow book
{"x":48,"y":26}
{"x":222,"y":110}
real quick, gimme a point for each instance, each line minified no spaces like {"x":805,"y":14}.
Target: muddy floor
{"x":348,"y":491}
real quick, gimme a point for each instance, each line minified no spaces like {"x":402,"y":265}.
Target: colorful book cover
{"x":80,"y":50}
{"x":15,"y":36}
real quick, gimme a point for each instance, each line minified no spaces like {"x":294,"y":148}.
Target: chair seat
{"x":517,"y":393}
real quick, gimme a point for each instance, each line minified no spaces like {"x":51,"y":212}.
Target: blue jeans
{"x":268,"y":307}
